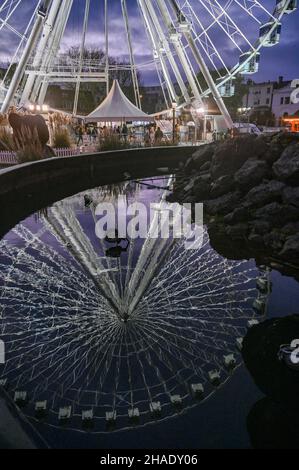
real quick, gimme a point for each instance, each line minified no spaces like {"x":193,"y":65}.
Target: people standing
{"x":79,"y":134}
{"x":94,"y":134}
{"x":125,"y":132}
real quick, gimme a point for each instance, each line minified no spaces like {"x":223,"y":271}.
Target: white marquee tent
{"x":117,"y":108}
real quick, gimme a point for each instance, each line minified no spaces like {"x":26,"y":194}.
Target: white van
{"x":247,"y":128}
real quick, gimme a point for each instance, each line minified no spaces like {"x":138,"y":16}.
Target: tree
{"x":91,"y":94}
{"x":241,"y":89}
{"x":263,"y":117}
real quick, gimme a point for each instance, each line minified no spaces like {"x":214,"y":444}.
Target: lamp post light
{"x":201,"y":112}
{"x":244,"y":112}
{"x":174,"y":108}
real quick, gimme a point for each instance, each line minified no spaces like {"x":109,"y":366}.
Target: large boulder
{"x":260,"y":353}
{"x":260,"y":227}
{"x":265,"y":193}
{"x":274,"y":239}
{"x":231,"y":156}
{"x":286,"y":168}
{"x":240,"y":214}
{"x":290,"y":195}
{"x":202,"y":156}
{"x":222,"y":205}
{"x":251,"y":173}
{"x":238,"y":231}
{"x":221,"y":186}
{"x":277,"y":214}
{"x":290,"y":249}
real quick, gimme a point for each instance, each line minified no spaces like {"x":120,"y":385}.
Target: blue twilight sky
{"x":282,"y":59}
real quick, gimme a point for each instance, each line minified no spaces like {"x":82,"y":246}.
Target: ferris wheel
{"x":194,"y":48}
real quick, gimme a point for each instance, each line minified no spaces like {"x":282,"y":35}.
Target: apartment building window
{"x":281,"y":100}
{"x":287,"y":100}
{"x":268,"y":90}
{"x":267,"y":101}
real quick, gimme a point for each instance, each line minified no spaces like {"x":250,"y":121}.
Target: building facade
{"x":286,"y":112}
{"x":269,"y":100}
{"x":259,"y":96}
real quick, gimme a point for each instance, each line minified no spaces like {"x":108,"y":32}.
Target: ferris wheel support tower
{"x":21,"y":67}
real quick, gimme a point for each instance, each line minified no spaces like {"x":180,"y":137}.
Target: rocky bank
{"x":250,"y":190}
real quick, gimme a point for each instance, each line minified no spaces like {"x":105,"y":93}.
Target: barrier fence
{"x":10,"y":158}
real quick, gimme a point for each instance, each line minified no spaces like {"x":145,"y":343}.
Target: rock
{"x":206,"y":166}
{"x":274,"y":239}
{"x":290,"y":195}
{"x":251,"y":173}
{"x":189,"y":185}
{"x":222,"y":185}
{"x":277,"y":214}
{"x":260,"y":353}
{"x":202,"y":156}
{"x":222,"y":205}
{"x":226,"y":161}
{"x":286,"y":168}
{"x":260,"y":227}
{"x":201,"y":191}
{"x":273,"y":153}
{"x":290,"y":229}
{"x":265,"y":193}
{"x":238,"y":231}
{"x":290,"y":249}
{"x":256,"y":239}
{"x":240,"y":214}
{"x":231,"y":156}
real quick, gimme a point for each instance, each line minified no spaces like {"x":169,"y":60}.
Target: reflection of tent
{"x":116,"y":107}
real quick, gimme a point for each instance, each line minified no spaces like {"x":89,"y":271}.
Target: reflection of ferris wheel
{"x":218,"y":38}
{"x":73,"y":359}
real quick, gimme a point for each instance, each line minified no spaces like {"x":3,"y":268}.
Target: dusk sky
{"x":279,"y":60}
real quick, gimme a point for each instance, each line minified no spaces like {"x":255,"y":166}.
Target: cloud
{"x":281,"y":57}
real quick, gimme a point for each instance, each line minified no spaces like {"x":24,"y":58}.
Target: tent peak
{"x":117,"y":107}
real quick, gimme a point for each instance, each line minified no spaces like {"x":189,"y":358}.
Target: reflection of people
{"x":116,"y":251}
{"x":147,"y":139}
{"x":177,"y":133}
{"x":158,"y":136}
{"x":152,"y":135}
{"x":125,"y":132}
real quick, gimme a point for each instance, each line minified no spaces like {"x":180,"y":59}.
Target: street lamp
{"x":244,"y":112}
{"x":174,"y":108}
{"x":201,"y":112}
